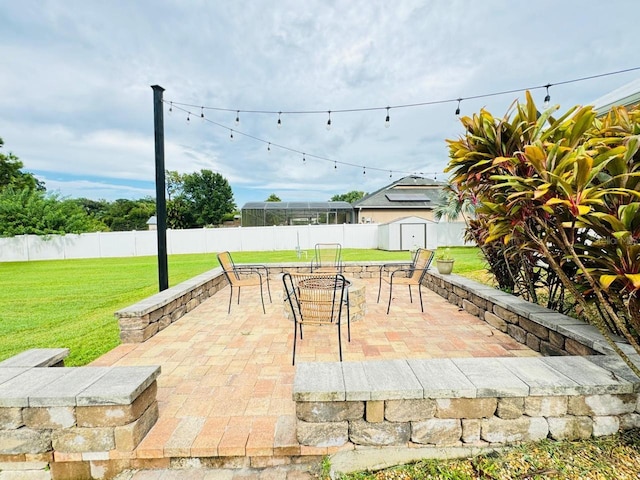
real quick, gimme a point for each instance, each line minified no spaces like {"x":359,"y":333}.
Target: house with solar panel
{"x":411,"y":196}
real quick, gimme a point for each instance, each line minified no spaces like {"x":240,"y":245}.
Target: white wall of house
{"x":204,"y":240}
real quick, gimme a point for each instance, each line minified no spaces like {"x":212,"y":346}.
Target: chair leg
{"x":379,"y":285}
{"x":269,"y":288}
{"x":238,"y":295}
{"x":262,"y":299}
{"x":230,"y":297}
{"x":420,"y":292}
{"x":390,"y":290}
{"x":348,"y":318}
{"x":295,"y":336}
{"x":410,"y":296}
{"x":339,"y":340}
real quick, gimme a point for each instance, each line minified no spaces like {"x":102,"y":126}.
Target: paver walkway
{"x":227,"y":380}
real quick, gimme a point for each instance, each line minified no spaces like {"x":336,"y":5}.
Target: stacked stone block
{"x":483,"y":402}
{"x":541,"y":329}
{"x":66,"y":423}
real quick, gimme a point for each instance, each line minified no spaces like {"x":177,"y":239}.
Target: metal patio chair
{"x":244,"y":276}
{"x":316,"y":299}
{"x":409,"y":275}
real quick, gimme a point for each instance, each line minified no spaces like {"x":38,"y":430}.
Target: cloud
{"x":76,"y":102}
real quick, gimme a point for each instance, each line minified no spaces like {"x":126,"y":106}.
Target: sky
{"x":76,"y":104}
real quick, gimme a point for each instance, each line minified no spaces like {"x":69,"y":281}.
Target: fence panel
{"x":208,"y":240}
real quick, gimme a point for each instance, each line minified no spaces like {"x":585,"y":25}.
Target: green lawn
{"x":70,"y":303}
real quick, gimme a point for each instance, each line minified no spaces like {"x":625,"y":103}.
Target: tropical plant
{"x":561,"y":197}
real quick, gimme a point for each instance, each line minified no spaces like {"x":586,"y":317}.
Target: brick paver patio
{"x":226,"y":383}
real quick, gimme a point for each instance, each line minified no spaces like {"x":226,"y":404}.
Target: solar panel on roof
{"x":407,"y":197}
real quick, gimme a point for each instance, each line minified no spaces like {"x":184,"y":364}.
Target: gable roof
{"x":408,"y":192}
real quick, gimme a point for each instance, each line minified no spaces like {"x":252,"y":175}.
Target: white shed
{"x":407,"y":233}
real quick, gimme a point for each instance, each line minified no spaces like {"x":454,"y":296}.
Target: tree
{"x":123,"y":214}
{"x":31,"y":211}
{"x":11,"y":173}
{"x":351,"y":197}
{"x":198,"y":199}
{"x":273,"y":198}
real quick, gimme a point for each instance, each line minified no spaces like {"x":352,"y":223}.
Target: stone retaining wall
{"x":476,"y":402}
{"x":543,"y":330}
{"x":73,"y":422}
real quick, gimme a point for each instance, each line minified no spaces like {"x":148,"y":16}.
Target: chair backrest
{"x":315,"y":298}
{"x":421,"y":263}
{"x":328,"y":257}
{"x":226,"y":262}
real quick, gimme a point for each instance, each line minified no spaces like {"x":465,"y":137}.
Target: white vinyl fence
{"x":206,"y":240}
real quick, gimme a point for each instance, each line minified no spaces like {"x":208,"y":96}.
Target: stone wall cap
{"x":64,"y":390}
{"x":541,"y":378}
{"x":16,"y":391}
{"x":318,"y":382}
{"x":118,"y":386}
{"x":441,"y":378}
{"x":392,"y":380}
{"x":592,"y":379}
{"x":37,"y":357}
{"x":356,"y":384}
{"x":491,"y":378}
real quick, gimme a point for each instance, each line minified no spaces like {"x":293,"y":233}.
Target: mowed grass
{"x":71,"y":303}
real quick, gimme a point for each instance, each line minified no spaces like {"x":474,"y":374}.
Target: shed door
{"x":413,"y":234}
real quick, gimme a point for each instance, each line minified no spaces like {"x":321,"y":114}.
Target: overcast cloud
{"x":76,"y":103}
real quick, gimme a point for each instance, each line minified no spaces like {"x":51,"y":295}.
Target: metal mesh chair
{"x":412,"y":274}
{"x":244,"y":276}
{"x":316,"y":299}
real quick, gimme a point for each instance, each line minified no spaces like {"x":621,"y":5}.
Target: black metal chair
{"x":327,"y":258}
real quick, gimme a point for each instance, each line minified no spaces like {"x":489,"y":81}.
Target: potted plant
{"x":444,"y":261}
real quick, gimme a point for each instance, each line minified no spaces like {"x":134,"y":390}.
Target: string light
{"x":233,"y":133}
{"x":188,"y":119}
{"x":387,"y":121}
{"x":420,"y":104}
{"x":171,"y":107}
{"x":237,"y":118}
{"x":547,"y":99}
{"x":364,"y":170}
{"x":279,"y":121}
{"x":458,"y":109}
{"x":202,"y":112}
{"x":329,"y":121}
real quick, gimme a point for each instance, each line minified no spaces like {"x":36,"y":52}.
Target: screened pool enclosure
{"x":260,"y":214}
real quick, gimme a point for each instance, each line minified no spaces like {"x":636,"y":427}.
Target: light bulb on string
{"x":237,"y":117}
{"x":231,"y":136}
{"x":387,"y":121}
{"x":269,"y":147}
{"x":188,"y":119}
{"x":364,"y":170}
{"x":335,"y":165}
{"x":329,"y":121}
{"x":279,"y":121}
{"x":202,"y":113}
{"x":170,"y":107}
{"x":547,"y":98}
{"x":304,"y":160}
{"x":458,"y":108}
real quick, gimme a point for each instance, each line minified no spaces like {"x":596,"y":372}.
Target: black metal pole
{"x":161,"y":202}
